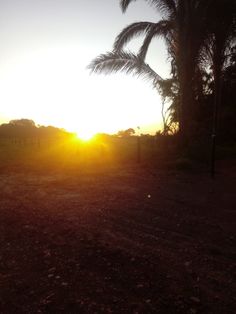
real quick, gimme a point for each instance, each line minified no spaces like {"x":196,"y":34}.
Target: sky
{"x":45,"y":48}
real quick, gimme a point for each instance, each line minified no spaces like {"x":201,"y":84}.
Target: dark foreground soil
{"x":121,"y":240}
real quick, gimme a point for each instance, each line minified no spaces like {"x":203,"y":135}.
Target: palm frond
{"x":129,"y":63}
{"x":130,"y":32}
{"x":162,"y":28}
{"x":124,"y":4}
{"x":164,"y":6}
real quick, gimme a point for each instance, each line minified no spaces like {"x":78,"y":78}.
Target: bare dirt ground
{"x":122,"y":240}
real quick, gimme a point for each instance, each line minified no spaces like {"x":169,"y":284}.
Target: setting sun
{"x":85,"y":136}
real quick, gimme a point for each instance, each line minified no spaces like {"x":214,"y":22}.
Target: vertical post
{"x":138,"y":145}
{"x":138,"y":149}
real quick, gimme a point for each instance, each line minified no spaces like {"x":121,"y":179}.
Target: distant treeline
{"x":23,"y":129}
{"x":26,"y":129}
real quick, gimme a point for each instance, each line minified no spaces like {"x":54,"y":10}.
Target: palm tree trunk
{"x":217,"y":101}
{"x":186,"y":110}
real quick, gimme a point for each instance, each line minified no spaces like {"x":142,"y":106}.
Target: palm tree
{"x":183,"y":27}
{"x":216,"y":52}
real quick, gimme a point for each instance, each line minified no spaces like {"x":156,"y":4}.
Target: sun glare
{"x":70,"y":98}
{"x":85,"y":136}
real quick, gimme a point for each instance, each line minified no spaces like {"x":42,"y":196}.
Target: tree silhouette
{"x":126,"y":133}
{"x":221,"y":36}
{"x":198,"y":35}
{"x":183,"y":28}
{"x":22,"y":122}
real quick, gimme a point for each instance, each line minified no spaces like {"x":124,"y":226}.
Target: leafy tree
{"x":221,"y":36}
{"x":22,"y":122}
{"x":126,"y":133}
{"x":169,"y":91}
{"x":227,"y":109}
{"x":22,"y":129}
